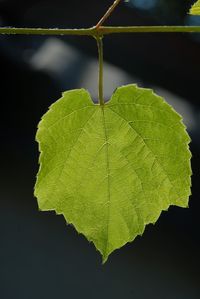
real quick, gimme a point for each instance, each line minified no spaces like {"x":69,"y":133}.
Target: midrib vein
{"x":108,"y":177}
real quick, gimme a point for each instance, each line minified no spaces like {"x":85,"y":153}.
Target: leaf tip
{"x":105,"y":257}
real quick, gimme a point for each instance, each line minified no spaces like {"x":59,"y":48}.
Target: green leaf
{"x":195,"y":9}
{"x":112,"y":169}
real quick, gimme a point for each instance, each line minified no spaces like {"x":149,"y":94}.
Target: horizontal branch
{"x":104,"y":30}
{"x":46,"y":31}
{"x":147,"y":29}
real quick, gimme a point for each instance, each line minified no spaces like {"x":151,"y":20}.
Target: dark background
{"x":41,"y":257}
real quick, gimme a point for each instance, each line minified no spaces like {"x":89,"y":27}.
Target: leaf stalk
{"x":99,"y":40}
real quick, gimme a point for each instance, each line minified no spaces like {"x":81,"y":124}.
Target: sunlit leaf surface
{"x":111,"y":170}
{"x":195,"y":9}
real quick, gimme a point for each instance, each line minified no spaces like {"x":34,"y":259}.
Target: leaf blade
{"x":111,"y":184}
{"x":195,"y":9}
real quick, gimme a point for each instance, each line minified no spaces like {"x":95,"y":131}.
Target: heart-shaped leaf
{"x":112,"y":169}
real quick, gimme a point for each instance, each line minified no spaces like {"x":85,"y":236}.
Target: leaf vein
{"x":150,"y":151}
